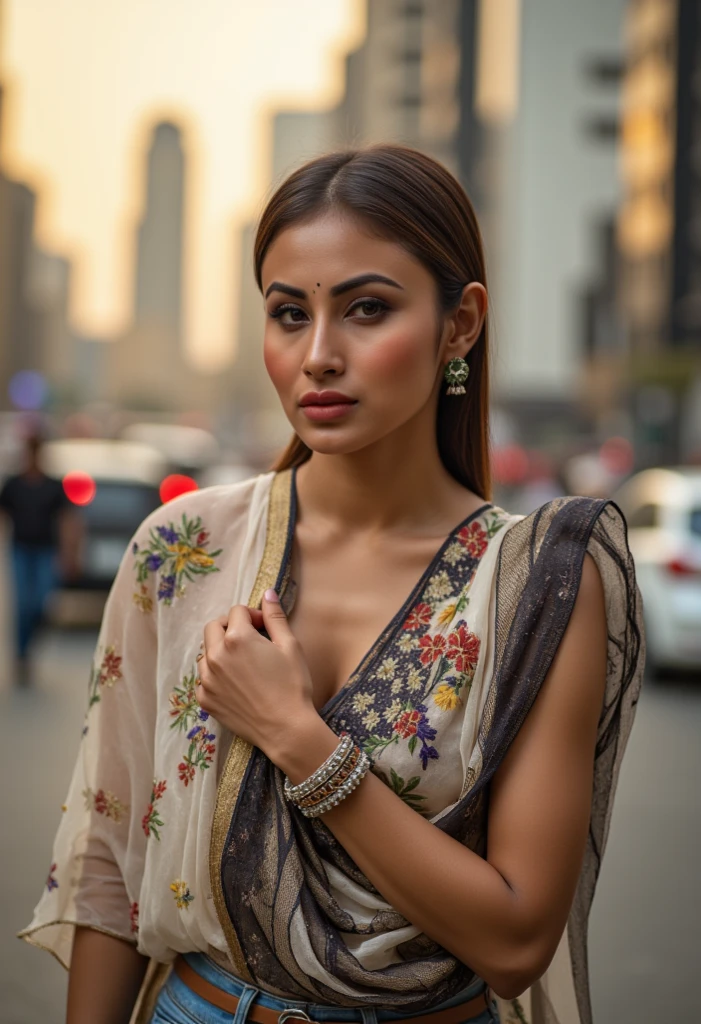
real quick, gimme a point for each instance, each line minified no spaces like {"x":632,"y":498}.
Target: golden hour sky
{"x":85,"y":82}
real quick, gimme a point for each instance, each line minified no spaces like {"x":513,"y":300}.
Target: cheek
{"x":280,"y":364}
{"x":399,"y":356}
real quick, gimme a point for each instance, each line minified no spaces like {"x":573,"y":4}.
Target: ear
{"x":464,"y":325}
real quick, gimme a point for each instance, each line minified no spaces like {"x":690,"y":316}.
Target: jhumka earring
{"x":456,"y":373}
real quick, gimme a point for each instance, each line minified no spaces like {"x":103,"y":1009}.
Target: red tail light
{"x":175,"y":485}
{"x":79,"y":487}
{"x":680,"y":567}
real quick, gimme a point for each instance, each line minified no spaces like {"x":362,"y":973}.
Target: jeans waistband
{"x":216,"y":975}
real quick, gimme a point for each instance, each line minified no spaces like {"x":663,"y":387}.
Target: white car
{"x":663,"y":510}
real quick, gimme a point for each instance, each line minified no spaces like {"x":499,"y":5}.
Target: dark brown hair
{"x":406,"y":197}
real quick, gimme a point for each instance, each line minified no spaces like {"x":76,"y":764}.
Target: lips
{"x":326,"y":398}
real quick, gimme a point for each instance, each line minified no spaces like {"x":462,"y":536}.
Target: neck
{"x":399,"y":483}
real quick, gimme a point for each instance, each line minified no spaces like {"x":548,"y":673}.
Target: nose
{"x":323,"y":356}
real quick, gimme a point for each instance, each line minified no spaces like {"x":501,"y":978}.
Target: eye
{"x":288,"y":314}
{"x":368,"y":309}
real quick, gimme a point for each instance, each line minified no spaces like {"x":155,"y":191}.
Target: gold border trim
{"x":240,"y":751}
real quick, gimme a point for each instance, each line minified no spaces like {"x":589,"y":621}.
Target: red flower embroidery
{"x":202,"y":536}
{"x":407,"y":724}
{"x":420,"y":615}
{"x":134,"y":918}
{"x":463,"y":649}
{"x":151,"y":822}
{"x":186,"y":772}
{"x":101,"y":804}
{"x":474,"y":539}
{"x":431,"y":648}
{"x":111,"y":665}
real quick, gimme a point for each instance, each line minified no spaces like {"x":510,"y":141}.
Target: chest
{"x":345,"y":597}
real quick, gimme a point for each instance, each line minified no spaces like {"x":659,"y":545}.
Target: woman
{"x":363,"y":606}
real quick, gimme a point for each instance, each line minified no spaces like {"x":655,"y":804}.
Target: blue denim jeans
{"x":35,"y":577}
{"x":178,"y":1004}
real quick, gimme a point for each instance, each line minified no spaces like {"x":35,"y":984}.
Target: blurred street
{"x":646,"y":929}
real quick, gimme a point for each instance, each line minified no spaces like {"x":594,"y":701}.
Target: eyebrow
{"x":338,"y":289}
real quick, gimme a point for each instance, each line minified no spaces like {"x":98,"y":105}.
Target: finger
{"x":240,"y":625}
{"x":275,"y":619}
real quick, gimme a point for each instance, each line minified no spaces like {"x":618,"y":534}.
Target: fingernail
{"x":271,"y":596}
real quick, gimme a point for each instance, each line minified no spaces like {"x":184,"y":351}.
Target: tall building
{"x":147,"y":367}
{"x":659,"y":225}
{"x":554,"y":180}
{"x":159,"y":256}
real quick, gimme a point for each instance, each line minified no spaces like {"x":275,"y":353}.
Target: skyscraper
{"x":159,"y":262}
{"x":146,"y":365}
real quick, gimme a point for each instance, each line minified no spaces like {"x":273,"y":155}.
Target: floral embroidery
{"x":424,"y":673}
{"x":407,"y":643}
{"x":446,"y":697}
{"x":438,"y":586}
{"x":134,"y":918}
{"x":474,"y":539}
{"x":188,"y":715}
{"x":142,"y":599}
{"x":362,"y":701}
{"x":392,"y":713}
{"x":432,"y":647}
{"x":51,"y":882}
{"x":106,"y":674}
{"x":181,"y":894}
{"x":414,"y":679}
{"x":388,"y":669}
{"x":175,"y":555}
{"x":104,"y":802}
{"x":463,"y":649}
{"x":405,"y":789}
{"x":371,"y":720}
{"x":151,"y":822}
{"x":420,"y":615}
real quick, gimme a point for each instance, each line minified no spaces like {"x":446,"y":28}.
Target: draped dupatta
{"x":298,"y":914}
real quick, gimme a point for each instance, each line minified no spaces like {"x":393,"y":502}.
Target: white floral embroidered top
{"x":131,"y":853}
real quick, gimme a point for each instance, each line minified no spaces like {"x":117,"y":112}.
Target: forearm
{"x":450,"y":893}
{"x":104,"y":980}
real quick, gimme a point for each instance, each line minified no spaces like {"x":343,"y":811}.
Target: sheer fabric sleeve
{"x":99,"y":850}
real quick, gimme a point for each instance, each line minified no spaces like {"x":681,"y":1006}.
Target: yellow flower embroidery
{"x":186,"y":555}
{"x":446,"y":616}
{"x":181,"y":894}
{"x":142,"y":600}
{"x":396,"y":686}
{"x":446,"y":698}
{"x":407,"y":643}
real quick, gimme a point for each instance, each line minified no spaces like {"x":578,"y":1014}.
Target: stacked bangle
{"x":332,"y":781}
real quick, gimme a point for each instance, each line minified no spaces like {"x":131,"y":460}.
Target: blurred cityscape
{"x":576,"y":131}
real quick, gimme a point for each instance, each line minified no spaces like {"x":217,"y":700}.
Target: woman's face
{"x":350,"y":313}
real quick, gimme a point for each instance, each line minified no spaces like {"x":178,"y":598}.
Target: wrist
{"x":303,"y":747}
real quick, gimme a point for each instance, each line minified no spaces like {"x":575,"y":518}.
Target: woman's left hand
{"x":259,"y":689}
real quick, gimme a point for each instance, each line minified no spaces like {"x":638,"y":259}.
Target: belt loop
{"x":369,"y":1014}
{"x":248,"y":994}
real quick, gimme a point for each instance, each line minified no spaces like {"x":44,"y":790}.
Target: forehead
{"x":332,"y":247}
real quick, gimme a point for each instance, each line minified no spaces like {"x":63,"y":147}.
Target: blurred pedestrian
{"x":46,"y":531}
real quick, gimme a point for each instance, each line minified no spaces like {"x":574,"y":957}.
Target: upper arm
{"x":540,"y":798}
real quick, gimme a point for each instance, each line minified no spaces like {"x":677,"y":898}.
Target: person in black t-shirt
{"x":44,"y":545}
